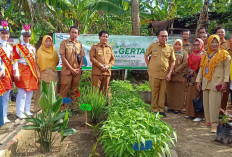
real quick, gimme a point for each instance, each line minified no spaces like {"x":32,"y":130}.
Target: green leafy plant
{"x":224,"y":118}
{"x":143,"y":87}
{"x":50,"y":120}
{"x":131,"y":121}
{"x":121,"y":86}
{"x":85,"y":80}
{"x":96,"y":99}
{"x":125,"y":128}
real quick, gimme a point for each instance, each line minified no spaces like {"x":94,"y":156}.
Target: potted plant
{"x":50,"y":119}
{"x":224,"y":130}
{"x":144,"y":91}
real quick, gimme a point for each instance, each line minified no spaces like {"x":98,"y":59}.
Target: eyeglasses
{"x":163,"y":36}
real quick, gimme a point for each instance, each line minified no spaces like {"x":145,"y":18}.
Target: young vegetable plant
{"x":50,"y":120}
{"x":96,"y":99}
{"x":125,"y":128}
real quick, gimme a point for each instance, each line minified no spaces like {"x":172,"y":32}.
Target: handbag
{"x":198,"y":103}
{"x":77,"y":55}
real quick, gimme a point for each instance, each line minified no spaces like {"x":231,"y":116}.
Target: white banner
{"x":128,"y":50}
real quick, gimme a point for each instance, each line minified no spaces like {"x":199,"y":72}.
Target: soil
{"x":193,"y":141}
{"x":79,"y":145}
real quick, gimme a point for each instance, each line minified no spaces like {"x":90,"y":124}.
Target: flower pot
{"x":224,"y":133}
{"x":146,"y":96}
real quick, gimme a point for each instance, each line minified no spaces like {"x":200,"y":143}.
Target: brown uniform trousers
{"x":101,"y":55}
{"x":158,"y":69}
{"x":187,"y":47}
{"x":212,"y":97}
{"x":68,"y":80}
{"x":225,"y":95}
{"x":175,"y":87}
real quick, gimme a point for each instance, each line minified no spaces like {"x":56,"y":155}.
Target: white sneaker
{"x":197,"y":119}
{"x":29,"y":113}
{"x":21,"y":116}
{"x":6,"y":120}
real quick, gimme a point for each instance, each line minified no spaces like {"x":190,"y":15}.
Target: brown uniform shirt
{"x":224,"y":44}
{"x":66,"y":48}
{"x":160,"y":57}
{"x":100,"y":55}
{"x":188,"y":47}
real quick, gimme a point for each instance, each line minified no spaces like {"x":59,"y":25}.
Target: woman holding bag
{"x":213,"y":78}
{"x":175,"y":87}
{"x":193,"y":68}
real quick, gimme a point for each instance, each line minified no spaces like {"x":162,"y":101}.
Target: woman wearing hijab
{"x":193,"y":68}
{"x":47,"y":60}
{"x":213,"y":78}
{"x":175,"y":87}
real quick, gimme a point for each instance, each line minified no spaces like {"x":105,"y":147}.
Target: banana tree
{"x":50,"y":120}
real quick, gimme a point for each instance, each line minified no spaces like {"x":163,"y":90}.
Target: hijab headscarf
{"x":218,"y":57}
{"x":47,"y":57}
{"x":180,"y":41}
{"x":194,"y":58}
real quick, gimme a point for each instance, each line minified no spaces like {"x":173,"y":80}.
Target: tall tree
{"x":135,"y":17}
{"x":203,"y":18}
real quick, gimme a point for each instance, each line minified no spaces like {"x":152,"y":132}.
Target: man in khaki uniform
{"x":159,"y":69}
{"x":204,"y":37}
{"x":102,"y":58}
{"x":221,"y":32}
{"x":71,"y":69}
{"x":202,"y":30}
{"x":187,"y":46}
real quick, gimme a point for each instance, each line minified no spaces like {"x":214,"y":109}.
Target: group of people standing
{"x":21,"y":65}
{"x":184,"y":71}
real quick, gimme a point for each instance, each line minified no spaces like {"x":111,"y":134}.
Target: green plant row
{"x":131,"y":121}
{"x":119,"y":86}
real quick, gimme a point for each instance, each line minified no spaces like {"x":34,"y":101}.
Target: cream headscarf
{"x":178,"y":40}
{"x":47,"y":57}
{"x":219,"y":56}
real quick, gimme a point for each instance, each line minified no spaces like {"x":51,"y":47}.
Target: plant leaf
{"x":56,"y":105}
{"x":43,"y":102}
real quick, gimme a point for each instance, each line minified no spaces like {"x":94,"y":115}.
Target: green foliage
{"x":224,"y":118}
{"x":50,"y":120}
{"x":131,"y":121}
{"x":120,"y":86}
{"x":143,"y":87}
{"x":125,"y":128}
{"x":96,"y":99}
{"x":85,"y":80}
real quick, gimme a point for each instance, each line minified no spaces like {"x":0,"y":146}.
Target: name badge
{"x":207,"y":70}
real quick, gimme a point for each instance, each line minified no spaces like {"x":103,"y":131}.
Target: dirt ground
{"x":193,"y":141}
{"x":79,"y":145}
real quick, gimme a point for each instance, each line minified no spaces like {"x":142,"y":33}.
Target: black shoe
{"x":163,"y":114}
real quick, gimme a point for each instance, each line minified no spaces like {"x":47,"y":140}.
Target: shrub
{"x":50,"y":120}
{"x":96,"y":99}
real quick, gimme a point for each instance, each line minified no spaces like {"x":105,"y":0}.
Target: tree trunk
{"x":203,"y":18}
{"x":135,"y":17}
